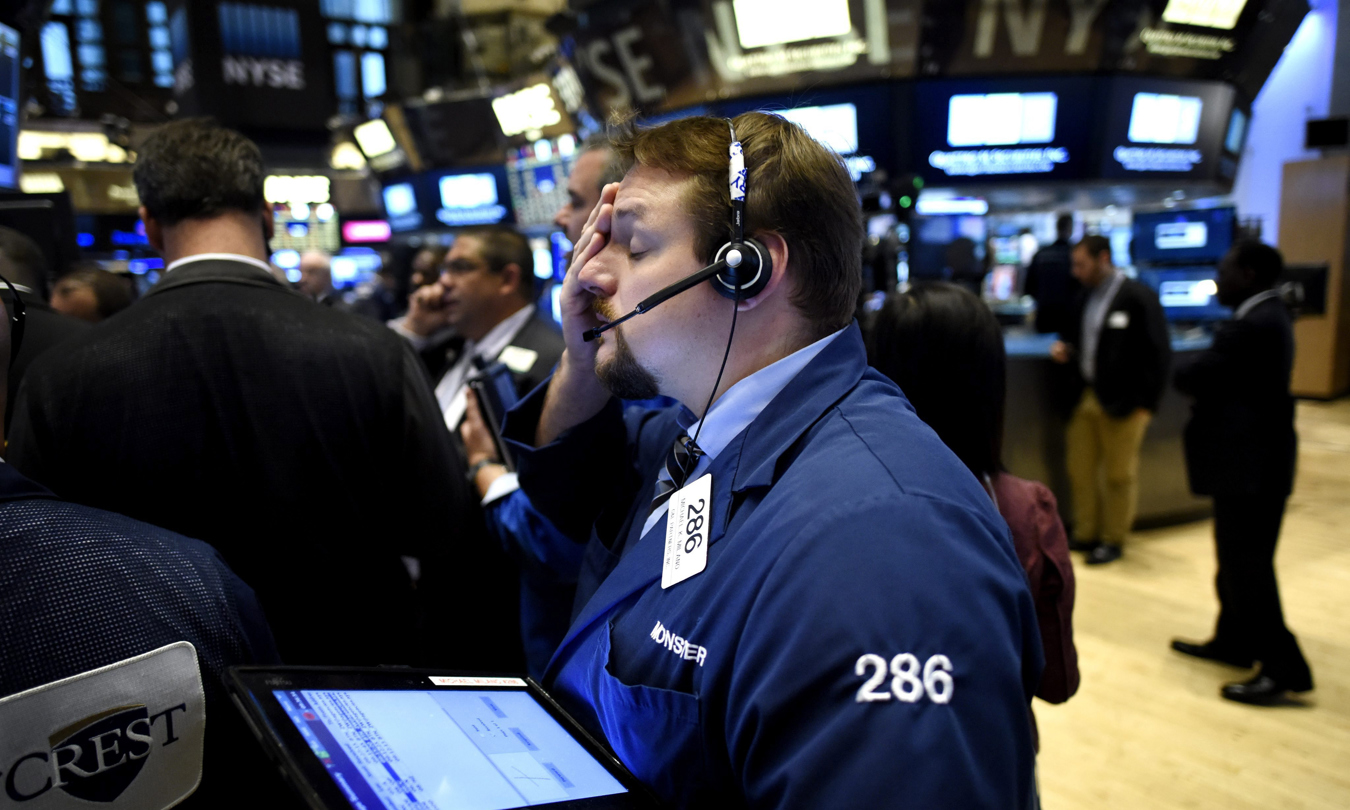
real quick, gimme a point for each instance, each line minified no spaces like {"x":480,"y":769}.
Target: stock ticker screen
{"x":449,"y":750}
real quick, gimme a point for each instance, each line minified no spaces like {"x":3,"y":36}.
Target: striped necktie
{"x":680,"y":464}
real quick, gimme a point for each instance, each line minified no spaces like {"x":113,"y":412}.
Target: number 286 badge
{"x":687,"y":527}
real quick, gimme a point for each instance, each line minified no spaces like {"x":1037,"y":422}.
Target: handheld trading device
{"x":495,"y":389}
{"x":372,"y":738}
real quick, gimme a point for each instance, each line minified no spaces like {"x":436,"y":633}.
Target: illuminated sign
{"x":262,"y":46}
{"x":761,"y":23}
{"x":469,"y":199}
{"x":834,"y":125}
{"x":526,"y":110}
{"x":1001,"y":119}
{"x":309,"y":189}
{"x":365,"y":231}
{"x":1204,"y":13}
{"x":1162,"y":118}
{"x":374,"y":138}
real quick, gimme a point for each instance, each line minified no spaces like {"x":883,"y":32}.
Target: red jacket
{"x":1043,"y":549}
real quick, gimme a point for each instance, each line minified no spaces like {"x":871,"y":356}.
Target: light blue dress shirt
{"x":735,"y":410}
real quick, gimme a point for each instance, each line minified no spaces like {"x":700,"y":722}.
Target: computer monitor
{"x":472,"y":197}
{"x":352,"y":267}
{"x":1188,"y":294}
{"x":47,"y":219}
{"x":9,"y":107}
{"x":1174,"y":237}
{"x":401,"y":206}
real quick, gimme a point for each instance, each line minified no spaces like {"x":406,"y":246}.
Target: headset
{"x":741,"y":268}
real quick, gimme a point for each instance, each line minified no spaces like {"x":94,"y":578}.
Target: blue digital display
{"x":452,"y":750}
{"x":1172,"y":237}
{"x":1187,"y":293}
{"x":1007,"y":129}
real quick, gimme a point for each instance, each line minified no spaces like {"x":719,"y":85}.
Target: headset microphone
{"x":664,"y":294}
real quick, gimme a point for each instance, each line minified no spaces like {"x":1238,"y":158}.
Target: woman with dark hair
{"x":944,"y":348}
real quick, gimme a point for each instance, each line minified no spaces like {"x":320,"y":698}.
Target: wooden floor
{"x":1147,"y":728}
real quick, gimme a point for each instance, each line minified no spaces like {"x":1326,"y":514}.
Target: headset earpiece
{"x":749,"y":268}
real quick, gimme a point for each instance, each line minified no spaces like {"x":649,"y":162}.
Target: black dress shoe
{"x":1104,"y":553}
{"x":1210,"y":652}
{"x":1261,"y":690}
{"x":1084,"y":545}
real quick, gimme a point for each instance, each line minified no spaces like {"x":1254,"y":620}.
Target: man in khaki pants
{"x":1117,"y":340}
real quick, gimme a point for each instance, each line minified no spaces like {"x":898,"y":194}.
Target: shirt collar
{"x":738,"y":407}
{"x":500,"y":335}
{"x":1253,"y":302}
{"x":226,"y":257}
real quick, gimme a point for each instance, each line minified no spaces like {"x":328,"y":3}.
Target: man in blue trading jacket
{"x":861,"y":634}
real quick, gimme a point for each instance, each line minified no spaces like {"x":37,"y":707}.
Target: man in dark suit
{"x":485,"y":295}
{"x":1051,"y":282}
{"x":301,"y":442}
{"x":1117,"y":341}
{"x":22,"y":262}
{"x":147,"y":588}
{"x":1240,"y":450}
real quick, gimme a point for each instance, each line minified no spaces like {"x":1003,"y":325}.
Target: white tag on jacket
{"x":1118,"y":320}
{"x":518,"y":359}
{"x":687,"y":526}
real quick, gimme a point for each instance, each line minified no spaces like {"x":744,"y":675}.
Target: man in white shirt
{"x":485,"y":294}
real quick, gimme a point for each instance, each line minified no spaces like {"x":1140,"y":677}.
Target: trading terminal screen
{"x":448,"y":750}
{"x":9,"y":106}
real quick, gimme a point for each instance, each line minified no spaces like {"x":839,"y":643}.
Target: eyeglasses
{"x":462,"y":267}
{"x":16,"y":321}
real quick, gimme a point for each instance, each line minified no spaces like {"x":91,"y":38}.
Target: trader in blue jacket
{"x":793,"y":595}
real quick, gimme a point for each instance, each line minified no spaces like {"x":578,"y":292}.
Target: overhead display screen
{"x":1167,"y":128}
{"x":472,"y":198}
{"x":9,"y":106}
{"x":400,"y":204}
{"x":1030,"y":129}
{"x":834,"y":125}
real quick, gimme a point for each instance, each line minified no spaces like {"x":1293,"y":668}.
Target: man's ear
{"x":154,"y":234}
{"x":269,"y":223}
{"x":512,"y":276}
{"x":778,"y":250}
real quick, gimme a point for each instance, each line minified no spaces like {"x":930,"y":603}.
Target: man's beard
{"x":622,"y":374}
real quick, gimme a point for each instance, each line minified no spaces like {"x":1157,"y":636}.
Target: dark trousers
{"x":1251,"y":621}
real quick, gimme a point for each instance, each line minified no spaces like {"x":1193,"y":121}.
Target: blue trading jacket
{"x":862,"y":635}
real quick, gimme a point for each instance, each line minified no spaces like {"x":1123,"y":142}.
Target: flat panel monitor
{"x":401,"y":206}
{"x":352,"y":267}
{"x":1187,"y":294}
{"x":1006,"y":129}
{"x":472,"y":197}
{"x":9,"y":107}
{"x":863,"y":123}
{"x":536,"y":175}
{"x":1165,"y":128}
{"x":1173,"y":237}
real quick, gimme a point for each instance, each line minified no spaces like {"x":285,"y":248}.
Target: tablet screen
{"x":449,"y":750}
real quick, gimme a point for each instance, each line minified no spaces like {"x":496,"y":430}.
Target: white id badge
{"x":687,"y":526}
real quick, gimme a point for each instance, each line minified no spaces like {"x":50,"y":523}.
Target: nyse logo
{"x":284,"y":74}
{"x":95,"y":759}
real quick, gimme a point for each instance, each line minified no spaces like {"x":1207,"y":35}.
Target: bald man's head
{"x":316,"y":274}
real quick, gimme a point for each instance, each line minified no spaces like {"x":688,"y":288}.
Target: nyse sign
{"x":282,"y":74}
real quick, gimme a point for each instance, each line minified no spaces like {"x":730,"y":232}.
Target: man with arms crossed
{"x":861,"y":634}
